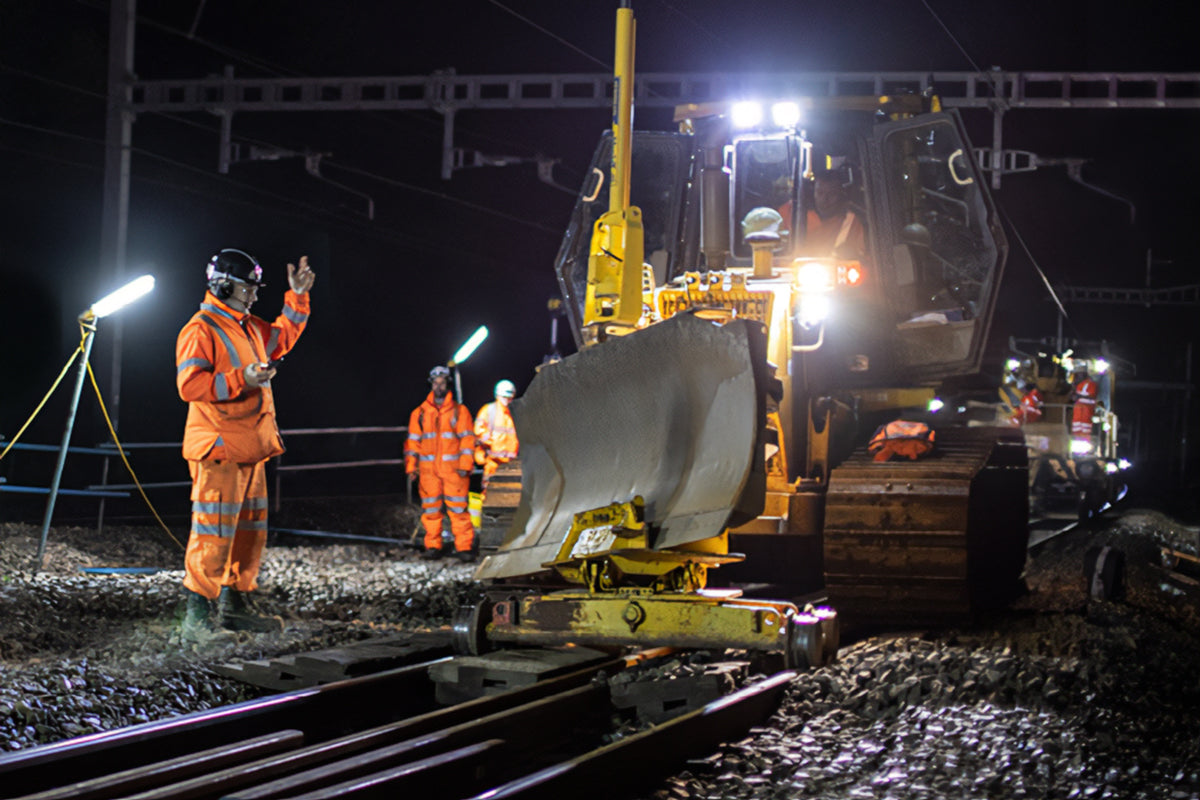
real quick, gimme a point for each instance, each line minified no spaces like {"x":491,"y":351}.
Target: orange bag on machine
{"x":901,"y":439}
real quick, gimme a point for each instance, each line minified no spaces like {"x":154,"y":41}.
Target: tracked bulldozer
{"x":753,"y":300}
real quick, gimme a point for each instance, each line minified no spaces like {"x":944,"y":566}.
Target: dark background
{"x":397,"y":294}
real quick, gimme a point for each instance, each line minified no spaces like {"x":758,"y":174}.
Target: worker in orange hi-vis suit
{"x":225,"y":358}
{"x":495,"y":435}
{"x":1030,"y":409}
{"x":440,"y":450}
{"x":1083,"y":395}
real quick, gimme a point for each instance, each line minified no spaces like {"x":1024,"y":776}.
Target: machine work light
{"x":747,"y":114}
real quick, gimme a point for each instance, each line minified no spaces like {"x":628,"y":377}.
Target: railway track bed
{"x":384,"y":734}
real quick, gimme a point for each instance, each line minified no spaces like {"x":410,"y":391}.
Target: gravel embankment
{"x":81,"y":653}
{"x":1059,"y":697}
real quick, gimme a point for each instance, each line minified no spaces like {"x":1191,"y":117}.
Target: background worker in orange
{"x":495,"y":434}
{"x":1083,"y":395}
{"x":441,"y":450}
{"x":1030,"y":409}
{"x":224,"y":365}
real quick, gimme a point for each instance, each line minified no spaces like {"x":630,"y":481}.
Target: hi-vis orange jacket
{"x":441,"y":438}
{"x":226,"y":418}
{"x":495,"y":434}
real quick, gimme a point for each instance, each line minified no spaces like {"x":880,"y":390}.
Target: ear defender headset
{"x":232,"y":265}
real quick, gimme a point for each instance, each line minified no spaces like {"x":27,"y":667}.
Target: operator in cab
{"x":832,"y":227}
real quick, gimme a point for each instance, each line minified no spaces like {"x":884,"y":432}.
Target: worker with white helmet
{"x":495,"y":435}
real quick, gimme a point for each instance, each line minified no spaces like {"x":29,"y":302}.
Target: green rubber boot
{"x":237,"y":613}
{"x":199,"y":620}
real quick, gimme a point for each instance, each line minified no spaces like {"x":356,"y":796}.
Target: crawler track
{"x":383,"y":735}
{"x":931,"y":540}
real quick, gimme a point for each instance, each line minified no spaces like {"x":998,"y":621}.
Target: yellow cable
{"x":121,"y":452}
{"x":57,"y":381}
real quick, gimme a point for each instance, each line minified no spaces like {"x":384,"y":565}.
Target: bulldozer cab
{"x":920,"y":222}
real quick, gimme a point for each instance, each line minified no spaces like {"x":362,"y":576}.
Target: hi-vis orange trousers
{"x":229,"y":526}
{"x":453,"y":491}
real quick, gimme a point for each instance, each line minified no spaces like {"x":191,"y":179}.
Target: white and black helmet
{"x":231,"y":265}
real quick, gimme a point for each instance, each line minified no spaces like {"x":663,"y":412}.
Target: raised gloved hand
{"x":301,"y":278}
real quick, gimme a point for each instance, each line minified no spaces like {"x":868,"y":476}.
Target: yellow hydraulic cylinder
{"x":614,"y":284}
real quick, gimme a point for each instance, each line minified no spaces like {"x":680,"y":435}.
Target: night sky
{"x":396,"y":295}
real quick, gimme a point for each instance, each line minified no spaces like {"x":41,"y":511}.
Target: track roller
{"x":469,"y":631}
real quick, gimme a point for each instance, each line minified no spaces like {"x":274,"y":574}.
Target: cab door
{"x":938,"y":242}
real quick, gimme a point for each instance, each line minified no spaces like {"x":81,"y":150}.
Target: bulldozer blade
{"x":673,"y":413}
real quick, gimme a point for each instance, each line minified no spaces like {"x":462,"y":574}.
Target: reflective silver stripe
{"x":234,"y":358}
{"x":449,"y":435}
{"x":255,"y":503}
{"x":220,"y":442}
{"x":459,"y":499}
{"x":428,"y":458}
{"x":224,"y":509}
{"x":503,"y":454}
{"x":217,"y":310}
{"x":252,"y":525}
{"x":222,"y":387}
{"x":202,"y":363}
{"x":451,"y":457}
{"x":207,"y":530}
{"x":414,"y":437}
{"x":428,"y":435}
{"x":466,"y":451}
{"x":295,"y":316}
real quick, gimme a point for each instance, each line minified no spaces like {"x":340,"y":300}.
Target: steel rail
{"x":331,"y":720}
{"x":379,"y":736}
{"x":320,"y":712}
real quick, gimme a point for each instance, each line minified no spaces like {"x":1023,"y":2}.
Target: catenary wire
{"x":427,"y":126}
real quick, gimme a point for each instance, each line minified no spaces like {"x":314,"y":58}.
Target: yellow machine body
{"x":717,"y":435}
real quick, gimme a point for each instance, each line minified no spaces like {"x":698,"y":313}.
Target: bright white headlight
{"x":747,"y":114}
{"x":785,"y":114}
{"x":815,"y":276}
{"x":1080,"y":447}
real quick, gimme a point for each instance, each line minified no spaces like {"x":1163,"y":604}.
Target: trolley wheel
{"x":831,"y":633}
{"x":805,"y":643}
{"x":469,"y":631}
